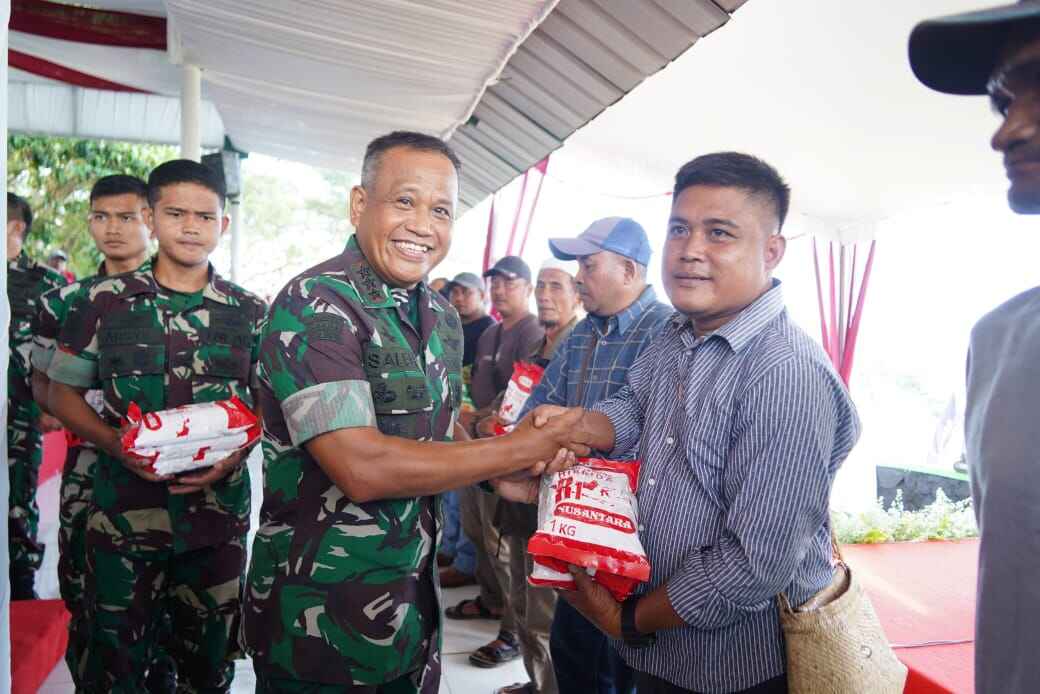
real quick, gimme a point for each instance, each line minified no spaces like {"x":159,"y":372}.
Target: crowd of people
{"x":389,"y":470}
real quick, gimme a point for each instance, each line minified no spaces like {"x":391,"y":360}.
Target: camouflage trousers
{"x":408,"y":684}
{"x":125,"y":596}
{"x":77,"y":486}
{"x":24,"y":454}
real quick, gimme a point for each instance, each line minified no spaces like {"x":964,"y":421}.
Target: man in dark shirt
{"x":467,"y":295}
{"x":498,"y":349}
{"x":458,"y":555}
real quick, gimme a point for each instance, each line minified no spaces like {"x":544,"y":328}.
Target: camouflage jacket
{"x":342,"y":592}
{"x":27,"y":281}
{"x":140,"y":342}
{"x":50,"y":314}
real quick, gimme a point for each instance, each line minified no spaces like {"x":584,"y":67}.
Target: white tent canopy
{"x":824,"y":92}
{"x":506,"y":80}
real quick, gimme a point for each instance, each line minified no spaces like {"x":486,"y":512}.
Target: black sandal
{"x":490,"y":656}
{"x":459,"y":611}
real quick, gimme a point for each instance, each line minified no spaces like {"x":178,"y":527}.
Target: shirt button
{"x":641,"y":527}
{"x":651,"y":481}
{"x":669,"y":440}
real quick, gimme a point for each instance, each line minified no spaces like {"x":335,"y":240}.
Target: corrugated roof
{"x":583,"y":57}
{"x":317,"y":84}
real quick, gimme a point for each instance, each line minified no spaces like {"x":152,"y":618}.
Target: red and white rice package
{"x":191,"y":436}
{"x":521,"y":384}
{"x":588,"y":516}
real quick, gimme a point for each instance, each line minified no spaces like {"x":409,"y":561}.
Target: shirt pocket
{"x":221,"y":364}
{"x":706,"y":445}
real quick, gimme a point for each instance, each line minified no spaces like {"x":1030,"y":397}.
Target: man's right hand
{"x":552,"y":442}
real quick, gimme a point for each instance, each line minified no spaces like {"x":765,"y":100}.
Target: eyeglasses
{"x":1011,"y":82}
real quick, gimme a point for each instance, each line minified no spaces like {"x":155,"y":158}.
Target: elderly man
{"x":360,"y":380}
{"x":741,"y":424}
{"x":624,"y":315}
{"x":556,"y":294}
{"x":997,"y":51}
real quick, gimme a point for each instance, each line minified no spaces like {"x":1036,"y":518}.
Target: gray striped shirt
{"x":741,"y":433}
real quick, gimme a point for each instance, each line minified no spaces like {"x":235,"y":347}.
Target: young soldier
{"x":27,"y":281}
{"x":116,"y":223}
{"x":170,"y":333}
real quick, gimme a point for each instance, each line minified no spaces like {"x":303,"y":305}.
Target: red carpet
{"x":53,"y":455}
{"x":924,"y":591}
{"x":39,"y":633}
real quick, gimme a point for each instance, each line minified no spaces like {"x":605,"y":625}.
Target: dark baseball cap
{"x":957,"y":54}
{"x":510,"y":267}
{"x":467,"y":279}
{"x":619,"y":235}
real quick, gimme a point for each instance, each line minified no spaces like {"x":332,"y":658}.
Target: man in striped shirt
{"x":741,"y":424}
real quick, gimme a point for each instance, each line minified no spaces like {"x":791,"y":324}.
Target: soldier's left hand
{"x":189,"y":484}
{"x":48,"y":423}
{"x":594,"y":602}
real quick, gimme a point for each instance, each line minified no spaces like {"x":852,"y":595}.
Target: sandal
{"x":461,"y":610}
{"x":498,"y":652}
{"x":517,"y":688}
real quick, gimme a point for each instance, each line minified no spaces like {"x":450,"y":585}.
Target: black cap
{"x":510,"y":267}
{"x":957,"y":54}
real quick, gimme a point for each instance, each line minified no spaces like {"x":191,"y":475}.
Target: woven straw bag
{"x":835,"y":644}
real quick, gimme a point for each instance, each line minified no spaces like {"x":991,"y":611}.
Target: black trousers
{"x":648,"y":684}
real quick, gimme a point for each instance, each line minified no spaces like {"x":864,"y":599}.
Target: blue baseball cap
{"x":619,"y":235}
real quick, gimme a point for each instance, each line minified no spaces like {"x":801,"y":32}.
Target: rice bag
{"x":588,"y":516}
{"x":525,"y":377}
{"x":190,"y":437}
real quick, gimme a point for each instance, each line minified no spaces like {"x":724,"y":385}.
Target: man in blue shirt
{"x":623,"y":316}
{"x":741,"y":424}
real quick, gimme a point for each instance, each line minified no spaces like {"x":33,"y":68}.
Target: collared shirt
{"x":614,"y":342}
{"x":550,"y":346}
{"x":340,"y":592}
{"x":140,"y":343}
{"x":740,"y":434}
{"x":27,"y":282}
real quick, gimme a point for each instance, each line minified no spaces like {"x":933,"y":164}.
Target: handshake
{"x":552,"y":438}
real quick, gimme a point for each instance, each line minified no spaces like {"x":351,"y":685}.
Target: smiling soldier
{"x":361,"y":384}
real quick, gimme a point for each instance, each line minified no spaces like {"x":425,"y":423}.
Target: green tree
{"x":55,"y":175}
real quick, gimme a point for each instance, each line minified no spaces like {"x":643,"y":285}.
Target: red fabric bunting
{"x":45,"y":68}
{"x":85,"y":25}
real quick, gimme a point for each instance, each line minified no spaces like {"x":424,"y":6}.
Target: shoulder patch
{"x":324,"y":326}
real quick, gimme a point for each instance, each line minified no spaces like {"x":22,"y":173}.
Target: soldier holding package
{"x":27,"y":281}
{"x":361,"y":386}
{"x":171,"y":333}
{"x":116,"y":223}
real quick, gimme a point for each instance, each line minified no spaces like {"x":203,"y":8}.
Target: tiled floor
{"x":460,"y":638}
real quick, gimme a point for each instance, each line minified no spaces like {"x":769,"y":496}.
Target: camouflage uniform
{"x":149,"y":551}
{"x":341,"y":596}
{"x":77,"y":476}
{"x":27,"y":281}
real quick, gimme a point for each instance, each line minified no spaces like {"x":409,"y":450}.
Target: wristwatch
{"x":629,"y":635}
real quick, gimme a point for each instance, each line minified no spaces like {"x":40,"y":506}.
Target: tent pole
{"x":191,"y":99}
